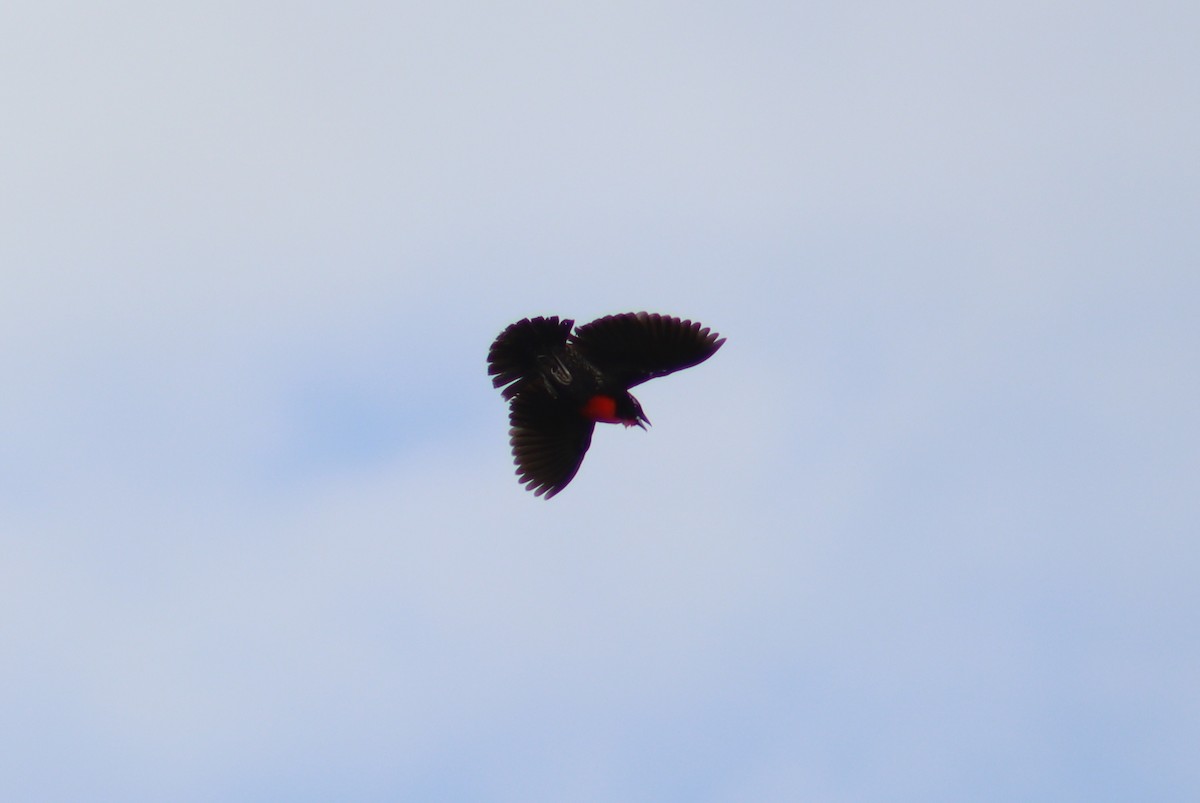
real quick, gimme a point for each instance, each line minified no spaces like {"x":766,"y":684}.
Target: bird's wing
{"x":513,"y":355}
{"x":549,"y":439}
{"x":636,"y":346}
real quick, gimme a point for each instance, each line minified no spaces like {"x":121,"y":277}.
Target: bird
{"x":560,"y":383}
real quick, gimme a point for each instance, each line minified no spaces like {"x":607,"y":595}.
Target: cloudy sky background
{"x":924,"y":530}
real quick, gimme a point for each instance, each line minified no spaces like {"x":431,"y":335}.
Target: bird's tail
{"x":513,"y":356}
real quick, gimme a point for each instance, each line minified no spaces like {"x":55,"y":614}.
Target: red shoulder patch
{"x":602,"y":408}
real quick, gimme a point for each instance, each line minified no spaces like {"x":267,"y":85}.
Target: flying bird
{"x":559,"y":383}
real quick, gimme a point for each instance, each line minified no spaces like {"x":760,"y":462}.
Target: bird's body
{"x":559,"y":383}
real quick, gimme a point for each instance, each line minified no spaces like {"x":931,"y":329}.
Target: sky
{"x":925,"y":529}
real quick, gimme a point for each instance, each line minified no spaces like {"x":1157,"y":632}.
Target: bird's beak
{"x":642,"y":421}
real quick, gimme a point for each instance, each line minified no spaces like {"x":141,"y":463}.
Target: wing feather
{"x":549,"y":440}
{"x":637,"y":346}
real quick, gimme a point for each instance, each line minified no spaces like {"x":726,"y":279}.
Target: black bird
{"x":559,"y":383}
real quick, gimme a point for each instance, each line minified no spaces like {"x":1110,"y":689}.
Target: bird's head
{"x":629,"y":412}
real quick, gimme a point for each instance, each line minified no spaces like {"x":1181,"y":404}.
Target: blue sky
{"x":923,"y":530}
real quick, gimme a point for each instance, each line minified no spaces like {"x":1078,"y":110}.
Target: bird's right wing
{"x":549,"y":440}
{"x":636,"y":346}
